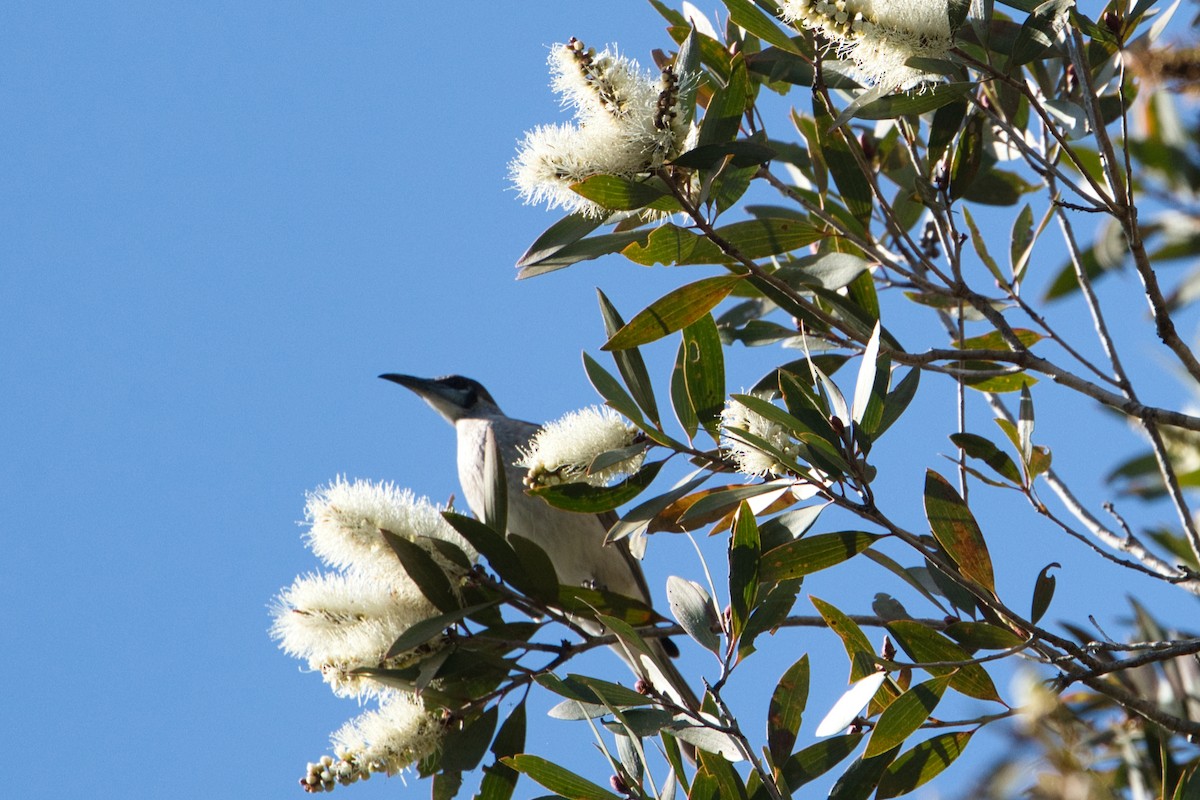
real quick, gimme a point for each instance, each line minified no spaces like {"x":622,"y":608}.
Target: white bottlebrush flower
{"x":562,"y":451}
{"x":749,"y":459}
{"x":627,"y":123}
{"x":879,"y":36}
{"x":397,"y":735}
{"x":346,"y":519}
{"x":341,"y":622}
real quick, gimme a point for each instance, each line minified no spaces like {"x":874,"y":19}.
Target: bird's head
{"x":452,"y":396}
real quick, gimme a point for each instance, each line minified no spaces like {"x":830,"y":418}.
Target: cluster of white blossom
{"x":399,"y":733}
{"x":737,"y":418}
{"x":346,"y":619}
{"x":627,"y":123}
{"x":879,"y":36}
{"x":564,"y":451}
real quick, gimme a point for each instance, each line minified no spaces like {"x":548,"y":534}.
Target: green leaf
{"x":629,"y":362}
{"x":693,"y":610}
{"x":852,"y":184}
{"x":427,"y":629}
{"x":681,"y":401}
{"x":769,"y":236}
{"x":1039,"y":31}
{"x":902,"y":103}
{"x":740,"y":153}
{"x":861,"y":778}
{"x":898,"y":400}
{"x":675,"y":310}
{"x":540,"y":579}
{"x":424,"y":571}
{"x":858,"y":646}
{"x":968,"y":157}
{"x":587,"y":499}
{"x":495,"y":482}
{"x":617,"y":193}
{"x":987,"y":452}
{"x":612,"y":391}
{"x":922,"y":763}
{"x":704,"y":372}
{"x":1021,"y":244}
{"x":558,"y":779}
{"x":996,"y":340}
{"x":981,"y":248}
{"x":581,"y":250}
{"x":904,"y":715}
{"x":944,"y":129}
{"x":744,"y":555}
{"x":955,"y":528}
{"x":773,"y":607}
{"x":982,"y":636}
{"x":870,"y":389}
{"x":815,"y":760}
{"x":723,"y":117}
{"x":583,"y":601}
{"x":925,"y":646}
{"x":499,"y":781}
{"x":446,"y":785}
{"x":1043,"y":591}
{"x":491,"y":545}
{"x":566,"y":231}
{"x":464,"y":747}
{"x":811,"y":554}
{"x":745,"y":14}
{"x":708,"y":740}
{"x":786,"y":710}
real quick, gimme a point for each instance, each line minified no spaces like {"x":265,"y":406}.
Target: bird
{"x":575,"y":542}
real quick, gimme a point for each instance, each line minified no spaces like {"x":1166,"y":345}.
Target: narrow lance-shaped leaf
{"x":558,"y":779}
{"x":495,"y":500}
{"x":747,"y":15}
{"x":1025,"y":424}
{"x":587,"y":499}
{"x":424,"y":571}
{"x":1043,"y":592}
{"x":925,"y":646}
{"x":693,"y":610}
{"x":744,"y":554}
{"x":801,"y":557}
{"x":858,"y":647}
{"x":500,"y":780}
{"x":681,"y":401}
{"x":629,"y":362}
{"x":850,"y":704}
{"x":922,"y":763}
{"x":679,"y":308}
{"x":566,"y":231}
{"x":723,"y":116}
{"x":987,"y":452}
{"x":464,"y":747}
{"x":786,"y":710}
{"x":905,"y":714}
{"x":617,"y":193}
{"x":956,"y":531}
{"x":853,"y":185}
{"x":866,"y":376}
{"x":861,"y":777}
{"x":815,"y":760}
{"x":704,"y":371}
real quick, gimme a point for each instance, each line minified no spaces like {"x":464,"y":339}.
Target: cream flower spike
{"x":880,"y":36}
{"x":562,"y":451}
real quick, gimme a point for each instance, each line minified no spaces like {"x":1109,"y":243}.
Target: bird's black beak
{"x":448,"y":401}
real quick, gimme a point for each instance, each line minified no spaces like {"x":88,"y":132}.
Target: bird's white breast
{"x":573,"y":541}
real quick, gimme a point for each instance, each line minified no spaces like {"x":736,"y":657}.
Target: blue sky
{"x":219,"y":224}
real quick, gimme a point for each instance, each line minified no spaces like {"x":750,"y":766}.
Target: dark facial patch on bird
{"x":473,"y":390}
